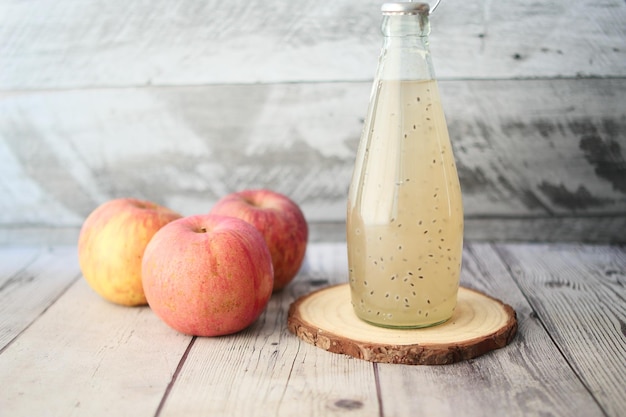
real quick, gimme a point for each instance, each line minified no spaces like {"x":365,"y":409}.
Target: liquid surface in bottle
{"x":405,"y":215}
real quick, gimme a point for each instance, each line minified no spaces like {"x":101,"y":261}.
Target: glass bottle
{"x":404,"y":214}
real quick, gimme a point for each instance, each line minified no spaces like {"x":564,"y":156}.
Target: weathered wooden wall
{"x":182,"y":102}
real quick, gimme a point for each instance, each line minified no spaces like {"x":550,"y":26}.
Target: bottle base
{"x":404,"y":326}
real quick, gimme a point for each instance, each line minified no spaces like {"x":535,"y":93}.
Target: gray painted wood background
{"x":181,"y":102}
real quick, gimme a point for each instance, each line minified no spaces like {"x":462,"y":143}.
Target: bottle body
{"x":405,"y":214}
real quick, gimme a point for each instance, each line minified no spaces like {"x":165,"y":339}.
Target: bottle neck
{"x":401,"y":25}
{"x":405,"y":53}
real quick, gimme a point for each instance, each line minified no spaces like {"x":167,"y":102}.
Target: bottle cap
{"x":405,"y":8}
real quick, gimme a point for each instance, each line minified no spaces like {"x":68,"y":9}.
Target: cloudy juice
{"x":405,"y":214}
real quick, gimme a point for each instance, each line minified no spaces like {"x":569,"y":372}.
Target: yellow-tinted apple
{"x":111,"y":245}
{"x":207,"y":275}
{"x":280,"y":221}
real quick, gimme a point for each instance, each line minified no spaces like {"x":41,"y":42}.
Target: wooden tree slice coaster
{"x":479,"y":325}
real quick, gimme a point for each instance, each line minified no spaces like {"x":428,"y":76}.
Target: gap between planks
{"x":179,"y":367}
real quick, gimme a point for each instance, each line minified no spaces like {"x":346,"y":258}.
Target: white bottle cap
{"x":405,"y":8}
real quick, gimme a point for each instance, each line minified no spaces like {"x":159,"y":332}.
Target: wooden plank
{"x":508,"y":39}
{"x":188,"y":146}
{"x":22,"y":235}
{"x":182,"y":147}
{"x":33,"y":287}
{"x":518,"y":380}
{"x":547,"y":144}
{"x":267,"y":371}
{"x":15,"y":258}
{"x":534,"y":148}
{"x":66,"y":44}
{"x":592,"y":229}
{"x":87,"y":357}
{"x":578,"y":294}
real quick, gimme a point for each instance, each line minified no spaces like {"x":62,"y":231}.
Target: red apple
{"x":281,"y":223}
{"x":111,"y":245}
{"x":207,"y":275}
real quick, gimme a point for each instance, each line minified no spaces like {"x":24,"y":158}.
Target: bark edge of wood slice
{"x":480,"y":324}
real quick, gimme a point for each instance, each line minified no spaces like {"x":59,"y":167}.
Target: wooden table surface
{"x":66,"y":352}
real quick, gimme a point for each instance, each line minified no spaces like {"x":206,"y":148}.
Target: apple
{"x":208,"y":275}
{"x":111,"y":244}
{"x":280,"y":221}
